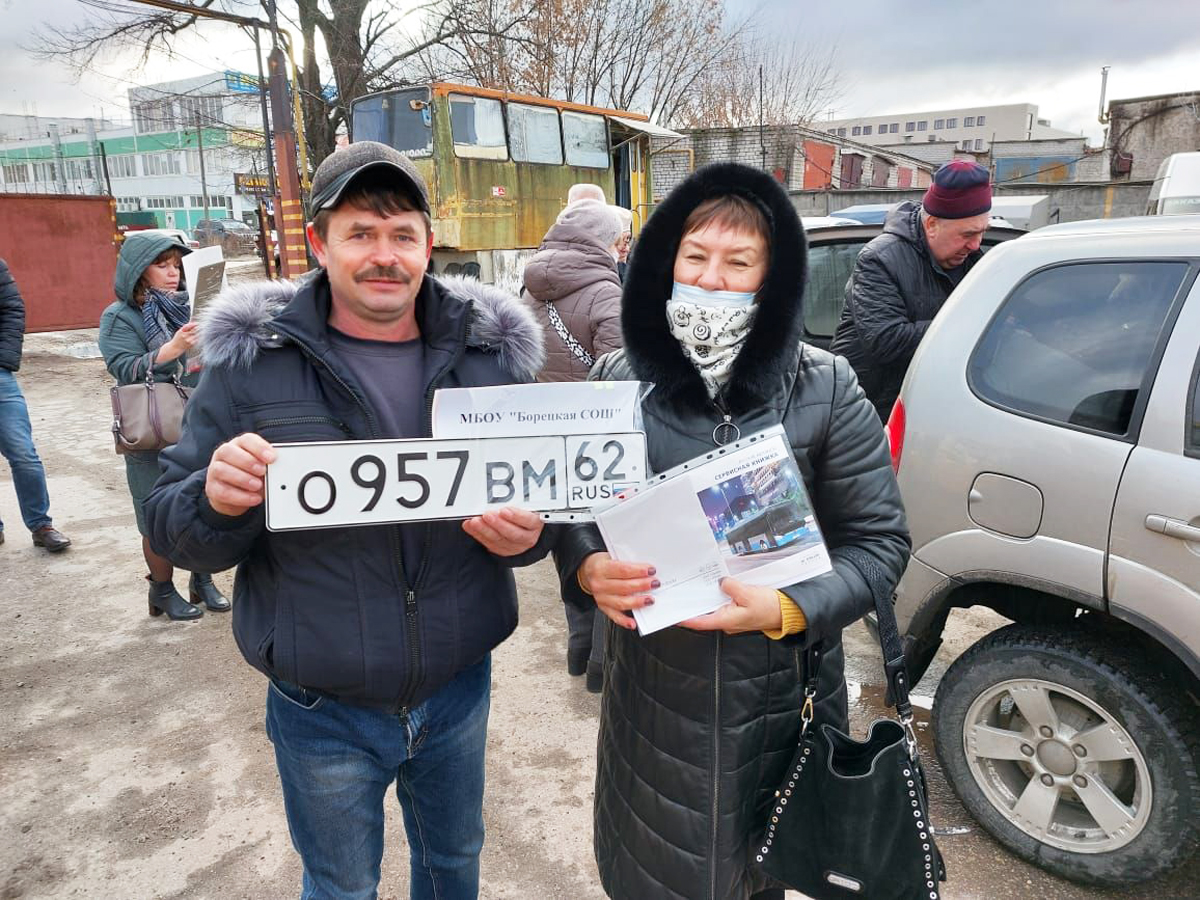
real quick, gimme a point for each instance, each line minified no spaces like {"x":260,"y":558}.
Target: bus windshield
{"x":400,"y":119}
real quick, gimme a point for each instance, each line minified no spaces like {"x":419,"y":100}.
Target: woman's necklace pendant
{"x":726,"y":433}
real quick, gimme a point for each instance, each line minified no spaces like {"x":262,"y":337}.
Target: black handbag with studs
{"x":851,"y":818}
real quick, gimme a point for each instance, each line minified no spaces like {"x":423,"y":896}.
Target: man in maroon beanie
{"x":903,"y":277}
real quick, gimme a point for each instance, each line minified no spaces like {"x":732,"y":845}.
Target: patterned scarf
{"x":711,"y":336}
{"x":163,"y":314}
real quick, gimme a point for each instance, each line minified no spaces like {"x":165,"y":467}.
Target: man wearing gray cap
{"x":376,"y":639}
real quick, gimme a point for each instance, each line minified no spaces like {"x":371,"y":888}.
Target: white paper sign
{"x":339,"y":483}
{"x":741,"y":510}
{"x":515,"y":410}
{"x":204,"y":275}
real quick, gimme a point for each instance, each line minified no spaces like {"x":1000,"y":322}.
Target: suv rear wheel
{"x":1073,"y":752}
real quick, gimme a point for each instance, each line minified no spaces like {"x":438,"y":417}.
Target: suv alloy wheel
{"x":1072,"y":752}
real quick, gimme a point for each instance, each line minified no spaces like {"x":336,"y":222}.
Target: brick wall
{"x":670,"y":163}
{"x":1153,"y":128}
{"x":780,"y":149}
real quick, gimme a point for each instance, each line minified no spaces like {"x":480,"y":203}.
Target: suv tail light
{"x":895,"y":434}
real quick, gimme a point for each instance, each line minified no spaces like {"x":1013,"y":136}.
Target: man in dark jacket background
{"x":902,"y":278}
{"x":376,"y":639}
{"x":16,"y":432}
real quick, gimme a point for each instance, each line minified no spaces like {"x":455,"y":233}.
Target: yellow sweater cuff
{"x":793,"y":618}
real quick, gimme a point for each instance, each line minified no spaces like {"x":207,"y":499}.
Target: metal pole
{"x":203,"y":179}
{"x":298,"y":112}
{"x":289,"y":210}
{"x":60,"y":164}
{"x":761,"y":141}
{"x":273,"y":18}
{"x":93,"y":148}
{"x":262,"y":96}
{"x":104,"y":168}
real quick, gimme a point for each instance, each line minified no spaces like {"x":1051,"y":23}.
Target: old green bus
{"x":498,"y":165}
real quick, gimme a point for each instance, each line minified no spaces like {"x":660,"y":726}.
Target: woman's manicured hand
{"x":618,"y":587}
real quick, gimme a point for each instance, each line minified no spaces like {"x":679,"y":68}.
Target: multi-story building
{"x":969,"y":128}
{"x":194,"y":147}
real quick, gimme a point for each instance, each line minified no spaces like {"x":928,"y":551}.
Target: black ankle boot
{"x":165,"y":599}
{"x":595,"y":678}
{"x":577,"y":660}
{"x":203,"y":590}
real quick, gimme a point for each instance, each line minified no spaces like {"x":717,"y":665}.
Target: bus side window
{"x":533,"y":132}
{"x":586,"y":139}
{"x":477,"y":124}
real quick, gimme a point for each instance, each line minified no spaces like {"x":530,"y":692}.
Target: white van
{"x":1176,"y":189}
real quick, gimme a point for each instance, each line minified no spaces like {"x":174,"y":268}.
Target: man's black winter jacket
{"x":333,"y":609}
{"x":893,"y":294}
{"x":12,"y":321}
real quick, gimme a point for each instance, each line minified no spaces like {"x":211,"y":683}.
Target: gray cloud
{"x":927,"y":54}
{"x":891,"y":56}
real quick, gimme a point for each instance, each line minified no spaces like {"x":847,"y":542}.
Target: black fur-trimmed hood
{"x":247,"y":318}
{"x":772,"y":348}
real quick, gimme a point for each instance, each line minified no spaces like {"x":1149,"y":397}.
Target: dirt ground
{"x":133,"y":761}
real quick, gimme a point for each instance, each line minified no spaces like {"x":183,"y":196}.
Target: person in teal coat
{"x":147,"y":328}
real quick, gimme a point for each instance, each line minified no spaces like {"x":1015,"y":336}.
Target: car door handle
{"x":1173,"y":528}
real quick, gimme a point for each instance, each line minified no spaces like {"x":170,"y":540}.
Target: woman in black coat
{"x":698,"y":722}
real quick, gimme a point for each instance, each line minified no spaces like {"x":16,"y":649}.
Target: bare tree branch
{"x":682,"y":62}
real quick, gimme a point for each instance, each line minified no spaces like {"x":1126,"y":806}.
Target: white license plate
{"x":326,"y":484}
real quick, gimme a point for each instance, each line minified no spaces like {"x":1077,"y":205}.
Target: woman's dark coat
{"x":697,"y":728}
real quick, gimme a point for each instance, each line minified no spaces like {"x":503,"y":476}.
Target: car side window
{"x":829,"y":268}
{"x":1073,"y":344}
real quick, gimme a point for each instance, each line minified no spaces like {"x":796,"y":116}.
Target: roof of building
{"x":1112,"y":103}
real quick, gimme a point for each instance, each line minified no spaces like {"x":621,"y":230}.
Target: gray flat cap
{"x":342,"y":166}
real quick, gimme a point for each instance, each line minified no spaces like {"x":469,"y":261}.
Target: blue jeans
{"x":16,"y":445}
{"x":336,"y":763}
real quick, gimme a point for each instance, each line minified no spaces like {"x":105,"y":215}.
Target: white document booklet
{"x":741,"y":511}
{"x":204,"y":274}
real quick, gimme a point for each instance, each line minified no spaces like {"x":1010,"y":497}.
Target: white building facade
{"x":968,"y":128}
{"x":192,"y":144}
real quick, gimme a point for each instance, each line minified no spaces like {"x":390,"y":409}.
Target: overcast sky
{"x":893,"y":55}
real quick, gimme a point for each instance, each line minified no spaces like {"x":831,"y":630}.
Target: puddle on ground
{"x":866,"y":705}
{"x":89,"y":350}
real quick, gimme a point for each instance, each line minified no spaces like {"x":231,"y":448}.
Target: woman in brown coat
{"x":572,"y":286}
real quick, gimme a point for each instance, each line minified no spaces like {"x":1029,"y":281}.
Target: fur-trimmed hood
{"x":772,"y":348}
{"x":248,"y":318}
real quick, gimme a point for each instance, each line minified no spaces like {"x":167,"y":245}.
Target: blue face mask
{"x":690,"y":293}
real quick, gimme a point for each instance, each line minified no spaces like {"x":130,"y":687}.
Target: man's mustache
{"x":387,"y":273}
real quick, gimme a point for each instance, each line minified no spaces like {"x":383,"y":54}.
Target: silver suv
{"x":1047,"y":444}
